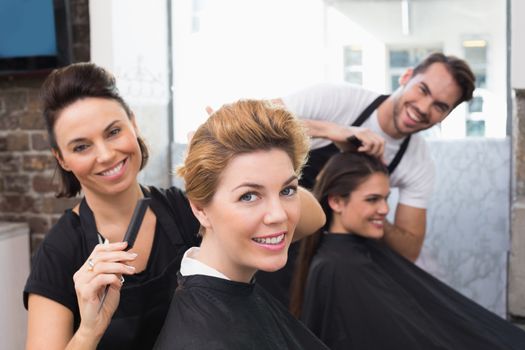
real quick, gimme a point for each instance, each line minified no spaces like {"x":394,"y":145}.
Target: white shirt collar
{"x":191,"y":266}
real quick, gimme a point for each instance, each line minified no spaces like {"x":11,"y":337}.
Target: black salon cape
{"x":362,"y":295}
{"x":278,"y":283}
{"x":213,"y":313}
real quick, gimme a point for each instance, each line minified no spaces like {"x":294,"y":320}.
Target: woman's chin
{"x":377,"y":235}
{"x":371,"y":234}
{"x":273,"y":264}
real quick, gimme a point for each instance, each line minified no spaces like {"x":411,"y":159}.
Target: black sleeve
{"x":181,"y":212}
{"x":53,"y":267}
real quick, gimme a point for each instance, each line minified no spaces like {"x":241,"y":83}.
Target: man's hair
{"x":458,"y":68}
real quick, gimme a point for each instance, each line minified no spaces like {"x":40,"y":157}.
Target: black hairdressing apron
{"x":318,"y":157}
{"x":144,"y":299}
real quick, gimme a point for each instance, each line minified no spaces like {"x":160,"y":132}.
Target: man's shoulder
{"x":418,"y":148}
{"x":414,"y":177}
{"x":416,"y":159}
{"x":350,"y":92}
{"x":331,"y":91}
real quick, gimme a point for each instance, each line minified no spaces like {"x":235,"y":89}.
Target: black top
{"x":362,"y":295}
{"x":145,"y":296}
{"x":214,"y":313}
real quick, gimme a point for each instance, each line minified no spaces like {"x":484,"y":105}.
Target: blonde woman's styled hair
{"x":238,"y":128}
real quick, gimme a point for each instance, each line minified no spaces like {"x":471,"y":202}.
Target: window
{"x":198,"y":7}
{"x":353,"y":64}
{"x":476,"y":54}
{"x":402,"y":58}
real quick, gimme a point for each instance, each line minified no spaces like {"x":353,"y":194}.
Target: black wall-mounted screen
{"x":35,"y":35}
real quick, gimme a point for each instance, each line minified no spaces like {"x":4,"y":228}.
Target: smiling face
{"x":252,"y":216}
{"x":422,"y":101}
{"x":364,"y":211}
{"x":98,"y":144}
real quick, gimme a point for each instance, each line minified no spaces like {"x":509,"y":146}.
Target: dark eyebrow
{"x":258,"y":186}
{"x":425,"y":87}
{"x":441,"y":104}
{"x":290,"y":179}
{"x":378,"y":195}
{"x":106,"y":129}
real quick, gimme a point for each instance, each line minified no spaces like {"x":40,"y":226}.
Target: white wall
{"x":14,"y":269}
{"x":244,"y":49}
{"x":129,"y":37}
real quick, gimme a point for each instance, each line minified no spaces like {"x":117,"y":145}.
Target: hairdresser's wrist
{"x":84,"y":339}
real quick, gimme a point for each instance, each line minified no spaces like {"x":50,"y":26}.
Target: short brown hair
{"x":241,"y":127}
{"x":64,"y":87}
{"x":458,"y":68}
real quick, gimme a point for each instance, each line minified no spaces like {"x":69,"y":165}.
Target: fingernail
{"x":133,"y":255}
{"x":131,"y":268}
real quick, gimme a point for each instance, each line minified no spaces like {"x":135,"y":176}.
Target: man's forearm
{"x":403,"y":242}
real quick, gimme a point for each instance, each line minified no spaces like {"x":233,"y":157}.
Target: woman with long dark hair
{"x":354,"y":292}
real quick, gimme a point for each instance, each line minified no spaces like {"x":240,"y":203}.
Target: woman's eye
{"x":248,"y":197}
{"x":114,"y":132}
{"x":289,"y":191}
{"x":79,"y":148}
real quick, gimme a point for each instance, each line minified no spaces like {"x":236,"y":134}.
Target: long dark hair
{"x":341,"y":175}
{"x":67,"y":85}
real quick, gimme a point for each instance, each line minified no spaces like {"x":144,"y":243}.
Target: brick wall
{"x":27,"y":166}
{"x":516,"y":288}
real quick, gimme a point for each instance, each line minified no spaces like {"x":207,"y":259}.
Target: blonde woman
{"x":241,"y":176}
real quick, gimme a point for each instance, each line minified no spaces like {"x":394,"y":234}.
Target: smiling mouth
{"x":275,"y":240}
{"x":113,"y":170}
{"x":413,"y":116}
